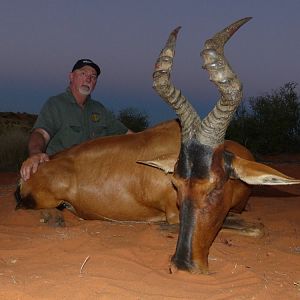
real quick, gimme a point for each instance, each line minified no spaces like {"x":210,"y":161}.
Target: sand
{"x":102,"y":260}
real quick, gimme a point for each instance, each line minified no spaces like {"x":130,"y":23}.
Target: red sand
{"x":101,"y":260}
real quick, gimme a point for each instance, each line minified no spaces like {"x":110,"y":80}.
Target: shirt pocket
{"x":75,"y":128}
{"x":99,"y":129}
{"x":71,"y":135}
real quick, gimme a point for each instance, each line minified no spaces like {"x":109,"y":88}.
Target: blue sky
{"x":41,"y":41}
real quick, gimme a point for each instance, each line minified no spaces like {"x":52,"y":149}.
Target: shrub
{"x":133,"y":119}
{"x":271,"y":124}
{"x":13,"y":149}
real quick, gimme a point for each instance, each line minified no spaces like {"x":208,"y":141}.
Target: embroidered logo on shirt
{"x":95,"y":117}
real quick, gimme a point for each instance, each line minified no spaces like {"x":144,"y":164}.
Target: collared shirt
{"x":68,"y":124}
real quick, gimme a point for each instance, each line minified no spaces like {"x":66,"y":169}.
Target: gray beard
{"x":84,"y":90}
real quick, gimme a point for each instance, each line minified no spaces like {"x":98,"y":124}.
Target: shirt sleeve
{"x":48,"y":118}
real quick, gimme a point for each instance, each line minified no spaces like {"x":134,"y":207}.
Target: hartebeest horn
{"x":211,"y":131}
{"x":162,"y":84}
{"x":214,"y":125}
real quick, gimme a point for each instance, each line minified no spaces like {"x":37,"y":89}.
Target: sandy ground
{"x":101,"y":260}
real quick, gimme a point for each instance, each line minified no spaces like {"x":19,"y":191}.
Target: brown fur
{"x":101,"y":179}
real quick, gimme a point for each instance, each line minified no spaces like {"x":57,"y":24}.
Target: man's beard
{"x":84,"y":90}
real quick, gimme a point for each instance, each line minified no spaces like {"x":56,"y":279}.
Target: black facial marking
{"x":183,"y":255}
{"x":18,"y":195}
{"x":27,"y":202}
{"x":194,"y":160}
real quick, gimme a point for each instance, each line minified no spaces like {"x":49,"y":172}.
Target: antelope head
{"x":203,"y":168}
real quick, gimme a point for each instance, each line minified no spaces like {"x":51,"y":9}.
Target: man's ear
{"x":165,"y":162}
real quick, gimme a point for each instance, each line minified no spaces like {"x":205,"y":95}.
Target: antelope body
{"x":172,"y":172}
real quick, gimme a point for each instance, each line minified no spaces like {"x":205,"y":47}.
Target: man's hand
{"x":36,"y":147}
{"x":31,"y":164}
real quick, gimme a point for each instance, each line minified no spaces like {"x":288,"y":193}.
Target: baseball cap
{"x":86,"y":62}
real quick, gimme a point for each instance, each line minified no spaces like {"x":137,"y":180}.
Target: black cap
{"x":86,"y":62}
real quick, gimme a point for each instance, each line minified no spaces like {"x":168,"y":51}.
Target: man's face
{"x":84,"y":80}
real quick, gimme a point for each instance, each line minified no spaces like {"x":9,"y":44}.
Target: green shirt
{"x":68,"y":124}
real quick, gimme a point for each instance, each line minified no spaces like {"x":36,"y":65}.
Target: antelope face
{"x":200,"y":178}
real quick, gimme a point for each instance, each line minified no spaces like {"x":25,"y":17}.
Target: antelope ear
{"x":165,"y":162}
{"x":253,"y":172}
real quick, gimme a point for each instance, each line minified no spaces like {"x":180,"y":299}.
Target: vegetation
{"x":271,"y":123}
{"x":14,"y":133}
{"x":13,"y":149}
{"x":133,"y":119}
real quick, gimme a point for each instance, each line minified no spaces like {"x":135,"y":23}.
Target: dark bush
{"x":271,"y":123}
{"x":133,"y":119}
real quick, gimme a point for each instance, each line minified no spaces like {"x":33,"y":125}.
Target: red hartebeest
{"x":204,"y":176}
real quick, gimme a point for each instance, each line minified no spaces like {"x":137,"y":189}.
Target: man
{"x":70,"y":118}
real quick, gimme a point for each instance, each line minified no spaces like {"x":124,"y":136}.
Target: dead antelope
{"x":204,"y":176}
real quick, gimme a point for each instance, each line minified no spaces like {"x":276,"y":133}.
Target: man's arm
{"x":38,"y":141}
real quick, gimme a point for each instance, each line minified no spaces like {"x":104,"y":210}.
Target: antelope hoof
{"x":239,"y":226}
{"x":172,"y":268}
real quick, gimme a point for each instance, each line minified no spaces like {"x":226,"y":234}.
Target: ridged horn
{"x":214,"y":125}
{"x":163,"y":86}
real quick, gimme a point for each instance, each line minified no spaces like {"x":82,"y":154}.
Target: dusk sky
{"x":41,"y":41}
